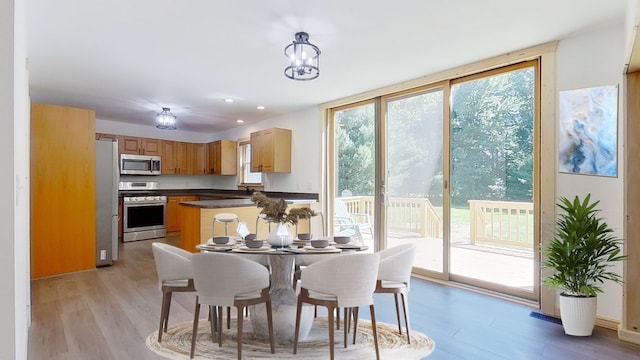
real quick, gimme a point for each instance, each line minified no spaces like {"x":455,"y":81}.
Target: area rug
{"x":176,"y":343}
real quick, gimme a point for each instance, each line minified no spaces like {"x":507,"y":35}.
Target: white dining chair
{"x":224,"y":280}
{"x":175,"y":274}
{"x":345,"y":281}
{"x":394,"y":276}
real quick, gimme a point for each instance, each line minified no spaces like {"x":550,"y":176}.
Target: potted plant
{"x":276,"y":211}
{"x":580,"y":255}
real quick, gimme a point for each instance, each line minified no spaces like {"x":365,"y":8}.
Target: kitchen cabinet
{"x":63,"y":182}
{"x":198,"y":155}
{"x":271,"y":150}
{"x":174,"y":211}
{"x":174,"y":157}
{"x":223,"y":157}
{"x":140,"y":146}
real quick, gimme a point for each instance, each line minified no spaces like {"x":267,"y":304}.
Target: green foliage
{"x":276,"y":210}
{"x":581,"y":250}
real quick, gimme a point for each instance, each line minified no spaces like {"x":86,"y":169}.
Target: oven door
{"x":144,"y":220}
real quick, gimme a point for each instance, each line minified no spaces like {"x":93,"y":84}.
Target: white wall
{"x":596,"y":59}
{"x":14,"y":185}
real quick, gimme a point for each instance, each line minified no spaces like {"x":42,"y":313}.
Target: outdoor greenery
{"x":582,"y":249}
{"x":491,"y":142}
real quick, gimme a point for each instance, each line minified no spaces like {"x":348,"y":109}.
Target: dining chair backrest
{"x":350,"y":278}
{"x":396,"y":263}
{"x":172,"y":263}
{"x":219,"y":277}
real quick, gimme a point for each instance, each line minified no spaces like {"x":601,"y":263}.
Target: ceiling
{"x":128,"y":59}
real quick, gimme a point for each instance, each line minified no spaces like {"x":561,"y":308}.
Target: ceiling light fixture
{"x":304,"y":57}
{"x":166,"y":120}
{"x":240,"y":121}
{"x":228,"y":100}
{"x":260,"y":107}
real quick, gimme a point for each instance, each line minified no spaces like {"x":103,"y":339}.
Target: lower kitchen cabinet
{"x":173,"y":211}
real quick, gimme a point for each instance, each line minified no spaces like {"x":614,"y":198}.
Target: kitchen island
{"x":197,"y":218}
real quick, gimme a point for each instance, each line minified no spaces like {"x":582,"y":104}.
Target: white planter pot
{"x":280,"y":236}
{"x":578,"y":314}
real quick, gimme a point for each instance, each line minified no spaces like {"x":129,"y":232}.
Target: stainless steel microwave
{"x":139,"y":164}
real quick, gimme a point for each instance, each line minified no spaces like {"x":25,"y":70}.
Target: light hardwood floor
{"x":107,"y":313}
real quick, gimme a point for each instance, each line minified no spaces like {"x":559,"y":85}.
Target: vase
{"x":280,"y":236}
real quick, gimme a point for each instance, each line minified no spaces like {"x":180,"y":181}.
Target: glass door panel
{"x":492,"y":180}
{"x":414,"y":176}
{"x":354,"y":172}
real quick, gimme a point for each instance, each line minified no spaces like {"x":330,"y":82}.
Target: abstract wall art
{"x":588,"y":141}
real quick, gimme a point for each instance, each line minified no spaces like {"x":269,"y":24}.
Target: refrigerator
{"x":107,"y":178}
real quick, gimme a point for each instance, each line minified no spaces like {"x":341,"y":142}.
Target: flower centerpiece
{"x":276,"y":211}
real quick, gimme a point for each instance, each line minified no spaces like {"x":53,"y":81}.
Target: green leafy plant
{"x":276,"y":210}
{"x":582,"y":249}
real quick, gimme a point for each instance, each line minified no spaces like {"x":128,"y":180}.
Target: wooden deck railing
{"x":501,"y":223}
{"x":406,"y":214}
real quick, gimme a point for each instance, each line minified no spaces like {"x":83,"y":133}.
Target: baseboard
{"x":628,"y":335}
{"x":601,"y":321}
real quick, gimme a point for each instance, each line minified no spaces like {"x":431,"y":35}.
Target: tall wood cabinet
{"x":223,"y":157}
{"x":271,"y":150}
{"x":63,"y":177}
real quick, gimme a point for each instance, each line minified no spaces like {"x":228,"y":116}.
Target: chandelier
{"x":304,"y":57}
{"x":166,"y":120}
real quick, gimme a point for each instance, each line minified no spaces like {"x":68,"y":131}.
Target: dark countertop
{"x":230,"y":203}
{"x":226,"y":194}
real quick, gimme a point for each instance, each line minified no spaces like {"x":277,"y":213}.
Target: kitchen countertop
{"x":230,"y":203}
{"x":226,"y":194}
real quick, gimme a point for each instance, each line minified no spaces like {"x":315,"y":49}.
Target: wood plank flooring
{"x":107,"y":313}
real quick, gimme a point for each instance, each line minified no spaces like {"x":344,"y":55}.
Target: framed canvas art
{"x":588,"y":142}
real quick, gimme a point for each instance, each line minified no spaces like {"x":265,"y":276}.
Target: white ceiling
{"x":128,"y":59}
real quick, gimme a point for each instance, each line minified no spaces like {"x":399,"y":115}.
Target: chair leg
{"x":406,"y":315}
{"x":220,"y":314}
{"x":270,"y":324}
{"x":194,"y":333}
{"x":229,"y":317}
{"x":347,"y":319}
{"x":166,"y":315}
{"x":337,"y":318}
{"x":395,"y":297}
{"x":239,"y":336}
{"x":213,"y":316}
{"x":375,"y":330}
{"x":356,"y":312}
{"x":297,"y":328}
{"x":162,"y":316}
{"x":331,"y":330}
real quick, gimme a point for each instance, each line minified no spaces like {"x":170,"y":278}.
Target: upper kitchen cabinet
{"x":140,"y":146}
{"x":198,"y":155}
{"x":223,"y":157}
{"x":175,"y":158}
{"x":63,"y":183}
{"x":271,"y":150}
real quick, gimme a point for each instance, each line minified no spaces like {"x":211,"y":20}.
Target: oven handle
{"x":141,"y":203}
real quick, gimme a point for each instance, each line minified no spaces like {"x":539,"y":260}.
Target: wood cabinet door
{"x":168,"y":157}
{"x":151,"y":146}
{"x":172,"y":217}
{"x":130,"y":145}
{"x":228,"y":157}
{"x":267,"y":151}
{"x":199,"y":159}
{"x":181,"y":158}
{"x":256,"y":151}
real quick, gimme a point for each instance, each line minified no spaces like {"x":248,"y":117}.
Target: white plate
{"x":245,"y":249}
{"x":349,"y":246}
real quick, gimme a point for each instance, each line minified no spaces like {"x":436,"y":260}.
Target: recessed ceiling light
{"x":240,"y":121}
{"x":228,"y":100}
{"x":260,"y":107}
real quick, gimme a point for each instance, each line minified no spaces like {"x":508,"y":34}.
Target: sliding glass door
{"x":450,"y":167}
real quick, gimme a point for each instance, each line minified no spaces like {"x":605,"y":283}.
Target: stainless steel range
{"x":144,"y":214}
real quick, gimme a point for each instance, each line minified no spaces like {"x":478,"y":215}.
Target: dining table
{"x":282,"y":262}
